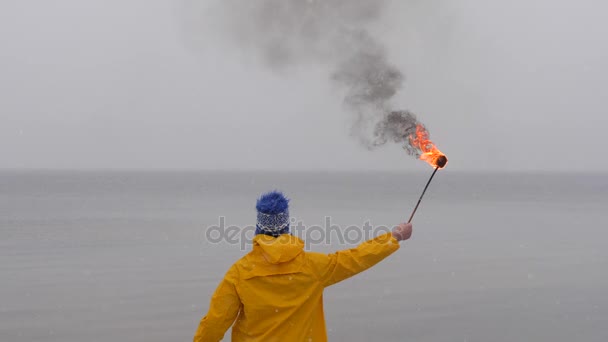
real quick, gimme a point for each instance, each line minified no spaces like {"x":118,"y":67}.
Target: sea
{"x":136,"y":255}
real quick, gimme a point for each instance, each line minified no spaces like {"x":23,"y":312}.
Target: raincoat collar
{"x":271,"y":256}
{"x":277,"y":250}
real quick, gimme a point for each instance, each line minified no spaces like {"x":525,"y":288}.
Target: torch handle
{"x":422,"y":195}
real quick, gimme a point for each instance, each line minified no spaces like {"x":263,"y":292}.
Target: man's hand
{"x":403,"y":231}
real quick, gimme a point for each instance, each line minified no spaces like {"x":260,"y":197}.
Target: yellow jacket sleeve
{"x":223,"y":310}
{"x":344,"y":264}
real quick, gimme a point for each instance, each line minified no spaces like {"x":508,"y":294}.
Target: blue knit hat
{"x":273,"y":214}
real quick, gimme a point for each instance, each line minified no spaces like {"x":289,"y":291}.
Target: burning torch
{"x":429,"y":153}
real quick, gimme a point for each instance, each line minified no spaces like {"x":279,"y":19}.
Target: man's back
{"x":281,"y":292}
{"x":277,"y":289}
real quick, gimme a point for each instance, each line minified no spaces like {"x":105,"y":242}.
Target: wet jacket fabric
{"x":275,"y":292}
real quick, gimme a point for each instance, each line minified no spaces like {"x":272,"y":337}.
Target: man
{"x":275,"y":292}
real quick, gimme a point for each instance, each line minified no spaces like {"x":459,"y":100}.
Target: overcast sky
{"x":501,"y":85}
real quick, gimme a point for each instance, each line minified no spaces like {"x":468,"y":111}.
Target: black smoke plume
{"x":335,"y":33}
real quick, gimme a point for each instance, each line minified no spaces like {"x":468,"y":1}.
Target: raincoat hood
{"x":277,"y":250}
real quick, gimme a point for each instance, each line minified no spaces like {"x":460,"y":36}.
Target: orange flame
{"x":429,"y":153}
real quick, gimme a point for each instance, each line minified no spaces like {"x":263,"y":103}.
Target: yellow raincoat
{"x":276,"y":290}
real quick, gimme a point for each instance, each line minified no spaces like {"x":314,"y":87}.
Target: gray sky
{"x":501,"y":85}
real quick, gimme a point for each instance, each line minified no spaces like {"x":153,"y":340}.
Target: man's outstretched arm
{"x":224,"y":307}
{"x":344,"y":264}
